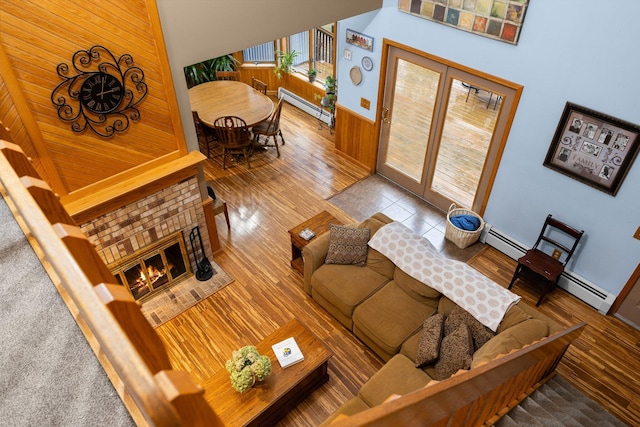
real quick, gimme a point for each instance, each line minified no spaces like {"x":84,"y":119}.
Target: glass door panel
{"x":468,"y":128}
{"x":443,"y":128}
{"x":137,"y":281}
{"x":412,"y":114}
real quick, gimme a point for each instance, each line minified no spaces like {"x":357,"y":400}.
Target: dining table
{"x":229,"y":98}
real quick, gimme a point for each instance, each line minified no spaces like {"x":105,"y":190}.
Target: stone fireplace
{"x":144,"y":242}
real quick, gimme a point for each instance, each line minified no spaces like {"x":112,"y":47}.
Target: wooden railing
{"x":479,"y":397}
{"x":129,"y":349}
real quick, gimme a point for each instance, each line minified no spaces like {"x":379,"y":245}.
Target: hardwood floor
{"x":277,"y":194}
{"x":604,"y":363}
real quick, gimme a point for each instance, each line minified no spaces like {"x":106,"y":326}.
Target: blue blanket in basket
{"x":465,"y":222}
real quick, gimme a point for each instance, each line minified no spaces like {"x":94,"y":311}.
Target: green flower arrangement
{"x":247,"y":366}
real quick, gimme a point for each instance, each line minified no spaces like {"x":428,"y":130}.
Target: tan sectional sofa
{"x":386,"y":309}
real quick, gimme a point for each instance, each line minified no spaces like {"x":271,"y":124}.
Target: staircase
{"x":558,"y":404}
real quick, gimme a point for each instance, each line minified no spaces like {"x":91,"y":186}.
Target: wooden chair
{"x":234,"y":137}
{"x":537,"y":265}
{"x":270,"y":128}
{"x":259,"y":85}
{"x":219,"y":205}
{"x":206,"y":136}
{"x":228,"y":75}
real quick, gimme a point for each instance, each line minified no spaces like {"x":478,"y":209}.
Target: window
{"x":315,"y":47}
{"x":317,"y":50}
{"x":260,"y":53}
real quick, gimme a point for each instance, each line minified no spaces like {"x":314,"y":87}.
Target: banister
{"x":100,"y":307}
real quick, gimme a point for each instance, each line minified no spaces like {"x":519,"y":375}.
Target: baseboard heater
{"x":579,"y":287}
{"x":306,"y":106}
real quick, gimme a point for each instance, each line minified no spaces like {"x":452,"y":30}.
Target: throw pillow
{"x":430,"y":339}
{"x":347,"y":245}
{"x":456,"y":353}
{"x":480,"y":333}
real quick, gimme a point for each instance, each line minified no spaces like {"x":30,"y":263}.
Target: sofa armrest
{"x":314,"y":254}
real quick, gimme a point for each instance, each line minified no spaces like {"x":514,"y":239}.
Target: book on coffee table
{"x":287,"y":352}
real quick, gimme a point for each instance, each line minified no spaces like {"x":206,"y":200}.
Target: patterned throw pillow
{"x":480,"y":333}
{"x":430,"y":339}
{"x":347,"y":245}
{"x":456,"y":352}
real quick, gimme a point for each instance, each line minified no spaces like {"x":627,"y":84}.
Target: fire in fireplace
{"x":154,"y":267}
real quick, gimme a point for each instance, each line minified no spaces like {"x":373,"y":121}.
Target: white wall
{"x":582,"y":51}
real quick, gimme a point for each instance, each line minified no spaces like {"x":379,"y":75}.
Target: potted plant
{"x":285,"y":62}
{"x":312,"y":73}
{"x":247,"y":366}
{"x":205,"y":71}
{"x":328,"y":101}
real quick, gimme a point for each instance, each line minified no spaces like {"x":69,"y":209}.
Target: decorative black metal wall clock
{"x":101,"y":93}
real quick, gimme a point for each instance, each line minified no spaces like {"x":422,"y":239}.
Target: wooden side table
{"x":319,"y":224}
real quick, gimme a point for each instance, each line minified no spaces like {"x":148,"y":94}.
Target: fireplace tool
{"x":204,"y":269}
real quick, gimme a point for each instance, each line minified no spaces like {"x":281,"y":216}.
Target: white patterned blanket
{"x":483,"y":298}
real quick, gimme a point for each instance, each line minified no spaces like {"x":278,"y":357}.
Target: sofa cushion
{"x":430,"y":339}
{"x":398,"y":376}
{"x":445,"y":305}
{"x":345,"y":286}
{"x":418,"y":290}
{"x":456,"y":352}
{"x":514,"y":316}
{"x":375,"y":260}
{"x":353,"y":406}
{"x":380,"y":264}
{"x":480,"y":333}
{"x":389,"y":317}
{"x":515,"y":337}
{"x":347,"y":245}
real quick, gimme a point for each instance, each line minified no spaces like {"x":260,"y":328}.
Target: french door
{"x":443,"y":128}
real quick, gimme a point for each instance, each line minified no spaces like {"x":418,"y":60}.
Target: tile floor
{"x":378,"y":194}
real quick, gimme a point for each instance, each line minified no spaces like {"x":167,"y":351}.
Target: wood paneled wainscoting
{"x":357,"y":137}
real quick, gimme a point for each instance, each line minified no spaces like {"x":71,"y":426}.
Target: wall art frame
{"x":361,"y":40}
{"x":496,"y":19}
{"x":593,"y":148}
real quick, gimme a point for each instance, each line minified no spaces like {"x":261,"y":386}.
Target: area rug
{"x":180,"y":297}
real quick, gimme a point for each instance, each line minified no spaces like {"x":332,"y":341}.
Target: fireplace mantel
{"x":120,"y":190}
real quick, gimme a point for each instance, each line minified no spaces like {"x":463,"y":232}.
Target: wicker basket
{"x":462,"y":238}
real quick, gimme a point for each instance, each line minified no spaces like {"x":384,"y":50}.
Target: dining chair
{"x":228,"y":75}
{"x":219,"y":205}
{"x":546,"y":260}
{"x":270,"y":128}
{"x":259,"y":85}
{"x":234,"y":137}
{"x":206,"y":135}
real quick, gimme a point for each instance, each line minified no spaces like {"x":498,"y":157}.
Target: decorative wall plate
{"x":367,"y":63}
{"x":356,"y":75}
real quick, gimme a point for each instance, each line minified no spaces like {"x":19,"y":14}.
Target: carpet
{"x":178,"y":298}
{"x":49,"y":376}
{"x":558,"y":403}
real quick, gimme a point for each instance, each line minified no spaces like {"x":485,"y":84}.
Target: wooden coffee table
{"x":270,"y":400}
{"x":319,"y":224}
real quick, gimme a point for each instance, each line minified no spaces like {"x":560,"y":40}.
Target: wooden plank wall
{"x":357,"y":137}
{"x":38,"y":35}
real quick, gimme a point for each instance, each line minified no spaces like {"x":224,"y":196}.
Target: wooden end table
{"x":319,"y":224}
{"x":270,"y":400}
